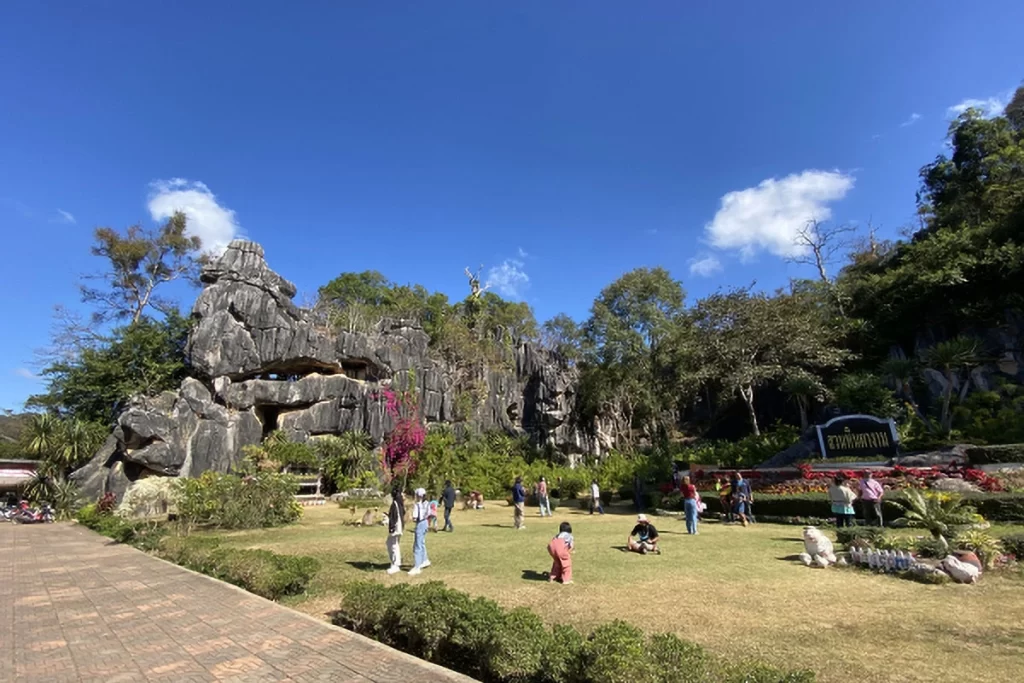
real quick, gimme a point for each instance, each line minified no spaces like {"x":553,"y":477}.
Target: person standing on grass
{"x":561,"y":548}
{"x":871,"y":493}
{"x":519,"y":503}
{"x":542,"y":498}
{"x":741,"y":496}
{"x":841,"y":497}
{"x":396,"y":513}
{"x":595,"y":498}
{"x":689,"y":492}
{"x":725,"y":497}
{"x":448,"y":496}
{"x":420,"y":515}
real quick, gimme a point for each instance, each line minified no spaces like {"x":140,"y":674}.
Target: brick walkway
{"x":76,"y":607}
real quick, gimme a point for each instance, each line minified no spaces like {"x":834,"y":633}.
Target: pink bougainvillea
{"x":407,"y":436}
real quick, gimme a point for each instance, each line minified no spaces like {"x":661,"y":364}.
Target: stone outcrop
{"x":261,"y":364}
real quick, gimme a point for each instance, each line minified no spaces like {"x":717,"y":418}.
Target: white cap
{"x":420,"y":492}
{"x":641,"y":518}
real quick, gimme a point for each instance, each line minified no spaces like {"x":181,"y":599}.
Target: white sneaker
{"x":415,"y":571}
{"x":393,"y":569}
{"x":425,"y":564}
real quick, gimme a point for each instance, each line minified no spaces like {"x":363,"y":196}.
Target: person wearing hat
{"x":420,"y":515}
{"x":646,"y":537}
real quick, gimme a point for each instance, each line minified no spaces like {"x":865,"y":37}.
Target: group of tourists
{"x":735,"y":495}
{"x":736,"y":498}
{"x":842,"y":497}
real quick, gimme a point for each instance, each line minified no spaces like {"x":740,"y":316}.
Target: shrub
{"x":229,"y":501}
{"x":747,"y":452}
{"x":145,"y":536}
{"x":987,"y":455}
{"x":1014,"y":545}
{"x":479,"y":638}
{"x":930,"y":547}
{"x":258,"y":571}
{"x":985,"y":546}
{"x":616,"y":652}
{"x":871,"y":535}
{"x":149,"y":497}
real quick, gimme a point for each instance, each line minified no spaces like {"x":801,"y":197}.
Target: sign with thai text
{"x":856,"y":436}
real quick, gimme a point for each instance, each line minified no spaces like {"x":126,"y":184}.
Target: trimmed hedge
{"x":995,"y":507}
{"x":258,"y":571}
{"x":479,"y":638}
{"x":1014,"y":544}
{"x":990,"y":455}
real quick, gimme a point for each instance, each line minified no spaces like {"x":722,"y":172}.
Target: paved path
{"x":76,"y":607}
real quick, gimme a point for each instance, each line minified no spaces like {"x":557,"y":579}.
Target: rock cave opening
{"x":268,"y":416}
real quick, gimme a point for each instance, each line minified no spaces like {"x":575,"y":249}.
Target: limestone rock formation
{"x":261,"y":364}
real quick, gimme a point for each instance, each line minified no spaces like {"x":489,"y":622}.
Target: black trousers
{"x":448,"y":519}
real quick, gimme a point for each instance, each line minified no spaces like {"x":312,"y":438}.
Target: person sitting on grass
{"x":646,"y":537}
{"x":561,"y":548}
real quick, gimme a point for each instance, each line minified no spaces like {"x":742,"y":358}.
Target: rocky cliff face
{"x":261,"y":364}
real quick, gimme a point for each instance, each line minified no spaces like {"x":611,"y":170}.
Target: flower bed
{"x":996,"y":507}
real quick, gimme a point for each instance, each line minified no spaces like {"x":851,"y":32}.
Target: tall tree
{"x":564,"y":336}
{"x":140,"y":261}
{"x":146,"y":357}
{"x":629,"y":322}
{"x":748,"y":340}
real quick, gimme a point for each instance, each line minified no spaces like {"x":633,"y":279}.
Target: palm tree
{"x":937,"y":512}
{"x":43,"y":435}
{"x":900,"y":371}
{"x":78,"y":441}
{"x":805,"y":390}
{"x":951,"y":357}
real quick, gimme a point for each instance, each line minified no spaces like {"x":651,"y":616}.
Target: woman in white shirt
{"x":595,"y":495}
{"x":420,"y":515}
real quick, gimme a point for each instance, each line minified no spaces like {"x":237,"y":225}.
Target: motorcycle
{"x":28,"y":515}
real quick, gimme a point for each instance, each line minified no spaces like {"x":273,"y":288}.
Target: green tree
{"x":146,"y":358}
{"x":953,"y":358}
{"x":863,"y":393}
{"x":629,"y":323}
{"x":749,"y":340}
{"x":564,"y":336}
{"x":140,"y":261}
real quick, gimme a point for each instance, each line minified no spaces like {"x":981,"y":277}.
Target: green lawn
{"x":731,"y":589}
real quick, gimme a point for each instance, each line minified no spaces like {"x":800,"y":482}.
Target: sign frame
{"x":880,"y":420}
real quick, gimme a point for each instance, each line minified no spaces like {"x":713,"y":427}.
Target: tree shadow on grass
{"x":534,"y":575}
{"x":368,"y":566}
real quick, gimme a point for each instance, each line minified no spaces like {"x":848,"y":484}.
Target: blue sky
{"x":557,"y":144}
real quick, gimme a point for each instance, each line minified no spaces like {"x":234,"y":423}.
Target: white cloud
{"x":214,"y":224}
{"x":705,"y":266}
{"x":523,"y":253}
{"x":25,"y":373}
{"x":64,"y":217}
{"x":768,"y":216}
{"x":990,"y":106}
{"x":508,"y":279}
{"x":914,"y":118}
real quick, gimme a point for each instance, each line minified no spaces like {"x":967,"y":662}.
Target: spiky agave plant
{"x":939,"y":513}
{"x":66,"y":497}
